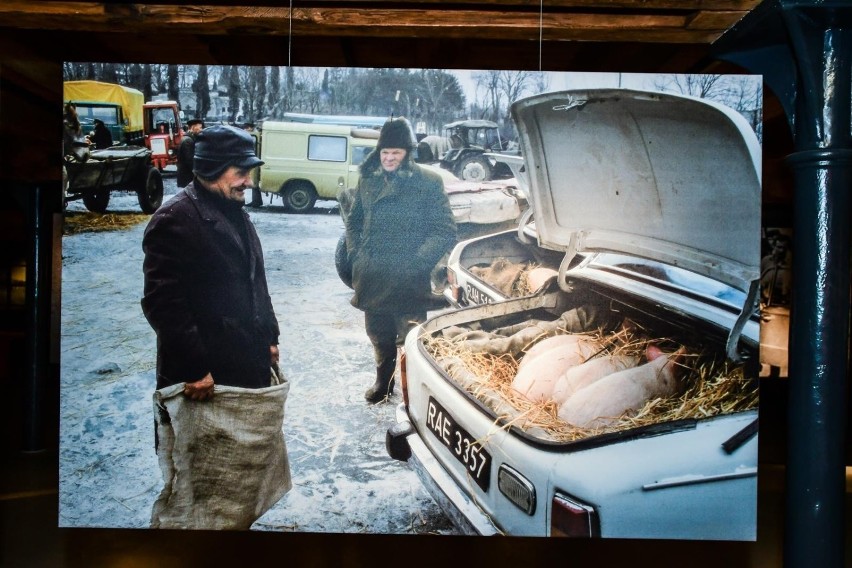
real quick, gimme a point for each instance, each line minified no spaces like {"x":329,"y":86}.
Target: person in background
{"x":186,"y":151}
{"x":399,"y":226}
{"x":101,"y":136}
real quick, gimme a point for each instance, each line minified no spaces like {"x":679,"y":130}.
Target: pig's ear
{"x":628,"y":325}
{"x":652,"y":352}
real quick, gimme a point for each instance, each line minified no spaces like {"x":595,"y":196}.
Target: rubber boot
{"x":383,"y":386}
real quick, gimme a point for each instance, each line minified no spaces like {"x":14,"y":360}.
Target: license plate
{"x":476,"y":296}
{"x":465,"y":449}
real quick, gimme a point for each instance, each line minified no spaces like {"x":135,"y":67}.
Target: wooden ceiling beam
{"x":637,"y":23}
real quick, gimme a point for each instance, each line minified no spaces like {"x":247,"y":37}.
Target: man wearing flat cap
{"x":399,"y":226}
{"x":205,"y":290}
{"x":186,"y":151}
{"x":219,"y":403}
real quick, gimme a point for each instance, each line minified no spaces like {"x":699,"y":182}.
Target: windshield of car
{"x":106,"y":114}
{"x":360,"y":153}
{"x":672,"y":276}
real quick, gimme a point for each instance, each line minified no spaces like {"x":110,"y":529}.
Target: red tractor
{"x":163,"y":131}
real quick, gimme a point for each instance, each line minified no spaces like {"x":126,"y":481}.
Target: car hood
{"x":660,"y":176}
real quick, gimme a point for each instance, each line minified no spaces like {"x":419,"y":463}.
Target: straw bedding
{"x":96,"y":222}
{"x":507,"y":277}
{"x":711,"y":387}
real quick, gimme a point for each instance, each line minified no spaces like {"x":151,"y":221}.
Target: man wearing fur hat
{"x":399,"y":227}
{"x":205,"y":290}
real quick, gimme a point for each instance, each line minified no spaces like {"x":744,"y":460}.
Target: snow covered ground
{"x":343,"y":480}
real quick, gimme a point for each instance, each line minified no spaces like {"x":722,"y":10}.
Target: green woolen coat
{"x":399,"y":227}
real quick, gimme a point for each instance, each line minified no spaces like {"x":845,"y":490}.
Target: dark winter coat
{"x":399,"y":227}
{"x":206,"y":294}
{"x":185,"y":159}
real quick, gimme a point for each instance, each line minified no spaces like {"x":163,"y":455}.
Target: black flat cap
{"x":221,"y":146}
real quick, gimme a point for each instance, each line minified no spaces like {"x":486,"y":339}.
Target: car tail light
{"x":403,"y":378}
{"x":453,"y":284}
{"x":572,"y":518}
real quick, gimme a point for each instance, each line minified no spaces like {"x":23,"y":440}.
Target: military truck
{"x":117,"y":106}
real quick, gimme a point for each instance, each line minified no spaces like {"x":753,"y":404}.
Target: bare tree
{"x":234,"y":92}
{"x":201,"y":88}
{"x":701,"y":86}
{"x":273,"y":97}
{"x":441,"y":97}
{"x":173,"y":84}
{"x":254,"y":93}
{"x":147,"y":82}
{"x":743,"y":93}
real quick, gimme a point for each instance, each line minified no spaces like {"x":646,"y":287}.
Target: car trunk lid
{"x":664,"y":177}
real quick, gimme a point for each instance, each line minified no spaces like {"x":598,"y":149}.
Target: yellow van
{"x":304,"y":162}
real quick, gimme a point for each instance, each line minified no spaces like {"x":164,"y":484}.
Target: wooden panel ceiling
{"x":661,"y":21}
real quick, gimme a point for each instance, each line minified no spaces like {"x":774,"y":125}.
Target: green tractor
{"x":469,"y":141}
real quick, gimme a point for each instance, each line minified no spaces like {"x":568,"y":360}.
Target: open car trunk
{"x":479,"y":350}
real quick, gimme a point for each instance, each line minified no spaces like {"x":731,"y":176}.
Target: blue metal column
{"x":38,"y":324}
{"x":821,"y":39}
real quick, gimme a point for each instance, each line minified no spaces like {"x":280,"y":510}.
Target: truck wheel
{"x":299,"y":197}
{"x":150,"y":193}
{"x":96,"y":201}
{"x":342,"y":262}
{"x":474,"y":168}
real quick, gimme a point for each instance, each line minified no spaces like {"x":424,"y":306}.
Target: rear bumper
{"x":403,"y":443}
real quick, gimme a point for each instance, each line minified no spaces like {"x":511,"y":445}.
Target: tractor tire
{"x":96,"y":201}
{"x":474,"y":168}
{"x":299,"y":197}
{"x":150,"y":191}
{"x":342,"y":262}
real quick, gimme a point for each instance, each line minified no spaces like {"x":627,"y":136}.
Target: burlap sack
{"x":224,"y":461}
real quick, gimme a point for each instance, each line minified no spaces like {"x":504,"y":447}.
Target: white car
{"x":646,"y":207}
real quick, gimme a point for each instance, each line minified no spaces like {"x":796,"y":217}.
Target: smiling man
{"x":206,"y":297}
{"x":205,"y":291}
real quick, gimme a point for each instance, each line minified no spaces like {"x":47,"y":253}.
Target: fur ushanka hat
{"x":396,"y":133}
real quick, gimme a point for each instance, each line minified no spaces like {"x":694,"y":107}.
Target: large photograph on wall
{"x":410,"y":301}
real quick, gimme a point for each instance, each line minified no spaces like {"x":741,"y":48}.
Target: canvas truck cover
{"x":130,"y":100}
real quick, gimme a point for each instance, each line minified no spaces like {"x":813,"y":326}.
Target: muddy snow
{"x":343,"y":480}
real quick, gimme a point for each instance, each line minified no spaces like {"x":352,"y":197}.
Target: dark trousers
{"x":387,"y":332}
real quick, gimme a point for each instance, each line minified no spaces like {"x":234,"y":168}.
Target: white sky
{"x":563,"y":80}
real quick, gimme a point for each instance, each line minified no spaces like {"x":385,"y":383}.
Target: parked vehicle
{"x":163,"y":132}
{"x":120,"y":168}
{"x":632,"y":199}
{"x":119,"y":107}
{"x":469,"y":142}
{"x":374,"y":122}
{"x":130,"y":120}
{"x":307,"y":161}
